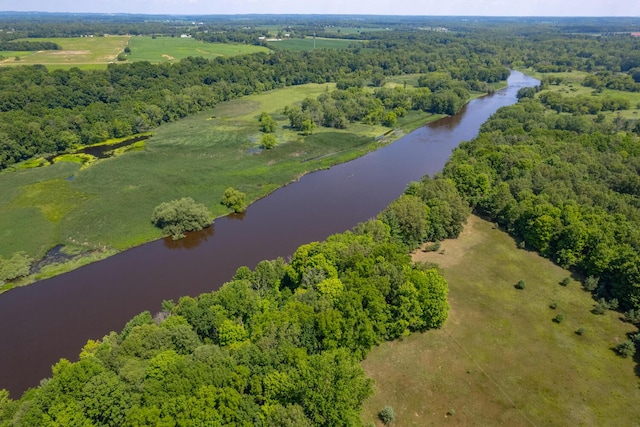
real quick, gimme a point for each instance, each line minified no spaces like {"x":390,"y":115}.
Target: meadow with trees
{"x":287,"y":342}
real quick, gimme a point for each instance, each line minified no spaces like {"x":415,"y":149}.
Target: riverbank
{"x":90,"y":210}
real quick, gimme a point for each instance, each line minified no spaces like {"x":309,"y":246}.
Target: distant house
{"x":635,"y":34}
{"x":185,"y":36}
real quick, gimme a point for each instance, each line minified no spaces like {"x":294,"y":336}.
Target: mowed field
{"x":500,"y":359}
{"x":163,"y":49}
{"x":97,"y":52}
{"x":87,"y":52}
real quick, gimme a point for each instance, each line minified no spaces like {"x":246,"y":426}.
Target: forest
{"x":280,"y":344}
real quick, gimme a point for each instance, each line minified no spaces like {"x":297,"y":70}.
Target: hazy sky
{"x":379,"y":7}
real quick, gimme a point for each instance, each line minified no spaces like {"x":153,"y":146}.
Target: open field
{"x":75,"y":52}
{"x":105,"y":206}
{"x":500,"y":359}
{"x":97,"y":52}
{"x":320,"y":43}
{"x":163,"y":49}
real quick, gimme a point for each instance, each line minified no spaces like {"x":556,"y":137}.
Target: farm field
{"x":83,"y":52}
{"x":500,"y":359}
{"x":163,"y":49}
{"x":97,"y":52}
{"x":320,"y":43}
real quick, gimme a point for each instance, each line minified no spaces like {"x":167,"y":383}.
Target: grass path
{"x":500,"y":359}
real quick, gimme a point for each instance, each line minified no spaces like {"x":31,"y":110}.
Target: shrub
{"x":565,"y":281}
{"x":553,"y":305}
{"x":632,"y":316}
{"x":387,"y":415}
{"x":269,"y":141}
{"x":591,"y":283}
{"x":179,"y":216}
{"x":581,"y":331}
{"x":17,"y":266}
{"x":626,"y":349}
{"x":520,"y":284}
{"x":559,"y":318}
{"x":234,"y":199}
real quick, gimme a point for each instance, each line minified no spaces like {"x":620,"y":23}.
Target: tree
{"x":387,"y":415}
{"x":267,"y":123}
{"x":234,"y":199}
{"x":269,"y":141}
{"x":179,"y":216}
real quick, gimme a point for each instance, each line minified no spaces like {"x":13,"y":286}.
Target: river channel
{"x":54,"y":318}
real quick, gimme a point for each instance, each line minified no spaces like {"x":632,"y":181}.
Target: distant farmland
{"x":97,"y":52}
{"x":163,"y":49}
{"x":320,"y":43}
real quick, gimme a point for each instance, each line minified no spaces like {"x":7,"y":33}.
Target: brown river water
{"x":54,"y":318}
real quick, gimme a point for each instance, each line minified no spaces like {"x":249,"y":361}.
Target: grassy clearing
{"x":572,"y":86}
{"x":320,"y":43}
{"x":75,"y":51}
{"x":167,"y":49}
{"x":500,"y":359}
{"x":105,"y":205}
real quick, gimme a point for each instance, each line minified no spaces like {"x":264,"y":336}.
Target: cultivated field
{"x":97,"y":52}
{"x":163,"y":49}
{"x":84,"y":52}
{"x":500,"y":359}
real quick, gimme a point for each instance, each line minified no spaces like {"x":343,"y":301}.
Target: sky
{"x":360,"y":7}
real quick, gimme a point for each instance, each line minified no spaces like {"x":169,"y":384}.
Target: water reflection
{"x":191,"y":240}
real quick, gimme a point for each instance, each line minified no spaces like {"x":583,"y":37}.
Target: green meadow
{"x":97,"y":52}
{"x":104,"y":206}
{"x":500,"y":359}
{"x":163,"y":49}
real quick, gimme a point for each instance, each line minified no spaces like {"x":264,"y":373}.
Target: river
{"x":54,"y":318}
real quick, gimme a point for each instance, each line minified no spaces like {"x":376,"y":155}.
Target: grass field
{"x":78,"y":51}
{"x":105,"y":206}
{"x":308,"y":44}
{"x":500,"y":359}
{"x":97,"y":52}
{"x":163,"y":49}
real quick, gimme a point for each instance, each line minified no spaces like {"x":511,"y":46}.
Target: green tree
{"x":234,"y":199}
{"x":269,"y":141}
{"x":267,"y":123}
{"x":179,"y":216}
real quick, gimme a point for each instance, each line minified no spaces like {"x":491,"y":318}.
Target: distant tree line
{"x":27,"y":45}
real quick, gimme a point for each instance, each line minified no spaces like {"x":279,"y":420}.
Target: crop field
{"x":500,"y":359}
{"x":320,"y":43}
{"x":105,"y":205}
{"x":163,"y":49}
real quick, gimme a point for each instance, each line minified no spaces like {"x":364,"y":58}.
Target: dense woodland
{"x":280,"y":345}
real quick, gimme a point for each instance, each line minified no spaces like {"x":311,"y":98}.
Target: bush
{"x":591,"y":284}
{"x":626,"y":349}
{"x":17,"y":266}
{"x":632,"y":316}
{"x":565,"y":281}
{"x":269,"y":141}
{"x":553,"y":305}
{"x":179,"y":216}
{"x":387,"y":415}
{"x":520,"y":284}
{"x":581,"y":331}
{"x":559,"y":318}
{"x":234,"y":199}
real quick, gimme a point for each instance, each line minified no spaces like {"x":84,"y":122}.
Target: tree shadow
{"x":192,"y":239}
